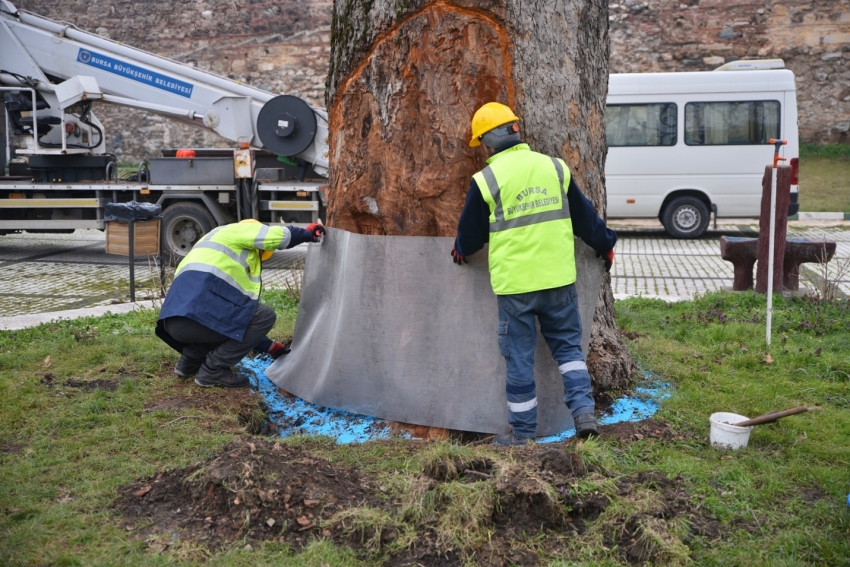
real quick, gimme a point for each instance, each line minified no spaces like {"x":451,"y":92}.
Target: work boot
{"x":187,"y":367}
{"x":224,"y":377}
{"x":509,"y":439}
{"x":586,"y":426}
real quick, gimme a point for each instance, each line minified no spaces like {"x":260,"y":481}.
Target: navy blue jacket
{"x":208,"y":299}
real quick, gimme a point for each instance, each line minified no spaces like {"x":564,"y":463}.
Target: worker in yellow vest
{"x":212,"y":313}
{"x":528,"y":207}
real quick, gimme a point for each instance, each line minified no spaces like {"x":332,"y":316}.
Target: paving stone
{"x":42,"y":273}
{"x":649,"y":263}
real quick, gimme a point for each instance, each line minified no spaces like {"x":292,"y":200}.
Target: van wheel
{"x":183,"y":224}
{"x":685,"y":217}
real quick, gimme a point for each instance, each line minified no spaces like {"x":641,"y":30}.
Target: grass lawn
{"x":90,"y":415}
{"x":825,"y":179}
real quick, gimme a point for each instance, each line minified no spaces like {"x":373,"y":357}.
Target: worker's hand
{"x":457,"y":258}
{"x":278,"y":349}
{"x":317,"y":230}
{"x":299,"y":235}
{"x":609,"y":260}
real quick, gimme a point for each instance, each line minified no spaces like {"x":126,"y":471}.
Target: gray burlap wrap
{"x":389,"y":327}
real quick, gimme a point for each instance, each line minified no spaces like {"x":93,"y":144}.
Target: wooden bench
{"x":800,"y":251}
{"x":743,"y":253}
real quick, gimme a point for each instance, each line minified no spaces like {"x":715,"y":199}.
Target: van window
{"x":641,"y":124}
{"x":731,"y":123}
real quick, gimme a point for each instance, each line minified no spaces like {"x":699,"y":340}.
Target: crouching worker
{"x":212,"y":313}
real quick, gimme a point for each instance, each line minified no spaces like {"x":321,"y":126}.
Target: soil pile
{"x":537,"y":502}
{"x":254,"y":490}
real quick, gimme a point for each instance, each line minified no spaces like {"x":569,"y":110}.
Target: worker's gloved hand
{"x":299,"y":235}
{"x":317,"y":230}
{"x":457,"y":258}
{"x":278,"y":349}
{"x":609,"y":260}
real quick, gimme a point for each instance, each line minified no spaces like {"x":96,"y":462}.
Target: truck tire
{"x":183,"y":224}
{"x":685,"y":217}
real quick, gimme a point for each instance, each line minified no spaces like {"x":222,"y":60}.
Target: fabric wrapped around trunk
{"x":389,"y":327}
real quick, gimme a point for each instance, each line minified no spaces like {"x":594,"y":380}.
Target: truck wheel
{"x":183,"y":224}
{"x":685,"y":217}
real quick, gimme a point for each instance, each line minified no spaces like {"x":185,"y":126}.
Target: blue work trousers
{"x":557,"y":311}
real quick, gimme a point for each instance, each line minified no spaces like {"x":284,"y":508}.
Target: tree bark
{"x":405,"y":78}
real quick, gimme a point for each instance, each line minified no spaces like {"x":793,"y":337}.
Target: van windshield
{"x":641,"y":124}
{"x":731,"y":123}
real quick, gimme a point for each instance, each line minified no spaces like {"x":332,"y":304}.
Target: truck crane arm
{"x":68,"y":66}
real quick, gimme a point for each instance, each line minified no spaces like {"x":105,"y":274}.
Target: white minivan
{"x":684,"y":145}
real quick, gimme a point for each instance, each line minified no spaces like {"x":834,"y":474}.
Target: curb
{"x":820,"y":216}
{"x":19,"y":322}
{"x":667,"y":298}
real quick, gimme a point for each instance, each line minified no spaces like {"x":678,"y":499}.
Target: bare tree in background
{"x":404,"y":80}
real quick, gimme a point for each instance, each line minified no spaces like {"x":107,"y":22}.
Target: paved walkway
{"x":649,"y":263}
{"x":49,"y":273}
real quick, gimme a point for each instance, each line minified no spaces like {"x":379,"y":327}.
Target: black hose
{"x":26,"y":81}
{"x":83,"y":117}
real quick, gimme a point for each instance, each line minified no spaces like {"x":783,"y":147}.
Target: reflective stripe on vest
{"x":241,"y":258}
{"x":220,"y":274}
{"x":500,"y":224}
{"x":231,"y":254}
{"x":531,"y":234}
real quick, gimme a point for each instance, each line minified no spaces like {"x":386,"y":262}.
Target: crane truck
{"x":57,"y":174}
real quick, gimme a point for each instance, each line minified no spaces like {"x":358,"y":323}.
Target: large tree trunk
{"x":404,"y":80}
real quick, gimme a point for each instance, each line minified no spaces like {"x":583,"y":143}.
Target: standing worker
{"x":212,"y":313}
{"x":518,"y":204}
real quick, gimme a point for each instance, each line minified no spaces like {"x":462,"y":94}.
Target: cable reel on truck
{"x":286,"y":125}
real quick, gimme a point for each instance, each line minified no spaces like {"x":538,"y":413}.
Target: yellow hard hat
{"x":491,"y":115}
{"x":264,"y":254}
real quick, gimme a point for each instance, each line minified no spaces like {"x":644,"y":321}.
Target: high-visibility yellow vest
{"x":233,"y":254}
{"x":531,"y":234}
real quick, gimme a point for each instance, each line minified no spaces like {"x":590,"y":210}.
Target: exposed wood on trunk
{"x":404,"y":80}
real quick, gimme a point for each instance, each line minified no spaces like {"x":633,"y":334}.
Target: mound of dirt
{"x":664,"y":519}
{"x":510,"y":511}
{"x":254,"y":490}
{"x":457,"y":468}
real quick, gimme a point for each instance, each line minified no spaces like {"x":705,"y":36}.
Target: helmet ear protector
{"x":507,"y":129}
{"x":502,"y":130}
{"x":501,"y":135}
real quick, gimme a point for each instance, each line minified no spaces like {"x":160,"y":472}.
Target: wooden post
{"x":132,"y":255}
{"x":783,"y":199}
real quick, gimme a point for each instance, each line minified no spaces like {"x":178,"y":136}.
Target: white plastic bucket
{"x":726,"y":436}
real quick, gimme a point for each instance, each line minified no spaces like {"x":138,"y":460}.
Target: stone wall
{"x":812,"y":36}
{"x":283,"y":46}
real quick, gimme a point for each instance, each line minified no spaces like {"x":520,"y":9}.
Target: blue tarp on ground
{"x":291,"y":415}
